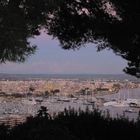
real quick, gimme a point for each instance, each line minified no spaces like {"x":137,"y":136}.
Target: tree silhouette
{"x":14,"y":45}
{"x":19,"y":21}
{"x":109,"y":24}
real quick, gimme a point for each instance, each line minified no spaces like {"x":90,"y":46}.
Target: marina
{"x":116,"y":106}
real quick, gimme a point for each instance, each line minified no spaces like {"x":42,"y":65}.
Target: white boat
{"x":122,"y":104}
{"x":39,"y":99}
{"x":30,"y":101}
{"x":130,"y":111}
{"x":92,"y":103}
{"x":64,"y":99}
{"x":116,"y":104}
{"x":136,"y":101}
{"x":111,"y":103}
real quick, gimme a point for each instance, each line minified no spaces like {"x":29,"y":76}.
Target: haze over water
{"x":68,"y":76}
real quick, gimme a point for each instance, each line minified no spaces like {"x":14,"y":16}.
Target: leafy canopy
{"x":109,"y":24}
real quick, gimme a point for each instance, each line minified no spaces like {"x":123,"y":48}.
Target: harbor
{"x":126,"y":102}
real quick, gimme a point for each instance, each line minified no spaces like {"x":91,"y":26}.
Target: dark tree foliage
{"x":14,"y":33}
{"x":73,"y":125}
{"x":19,"y":21}
{"x":109,"y":24}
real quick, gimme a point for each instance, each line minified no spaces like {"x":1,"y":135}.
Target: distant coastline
{"x":67,"y":76}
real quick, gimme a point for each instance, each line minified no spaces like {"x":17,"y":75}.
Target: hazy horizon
{"x":67,"y":76}
{"x":50,"y":58}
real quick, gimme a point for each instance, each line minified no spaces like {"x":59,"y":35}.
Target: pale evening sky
{"x":50,"y":58}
